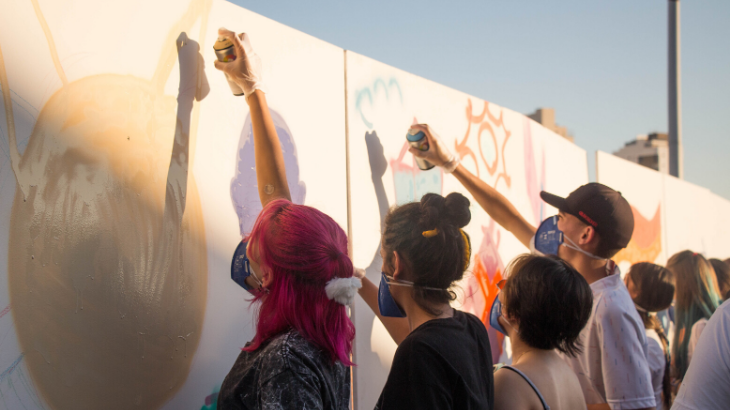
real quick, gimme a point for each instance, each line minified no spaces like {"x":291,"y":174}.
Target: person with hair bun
{"x":543,"y":306}
{"x":295,"y":264}
{"x":443,"y":360}
{"x":652,"y":289}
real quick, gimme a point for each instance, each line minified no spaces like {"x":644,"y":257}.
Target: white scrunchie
{"x":343,"y":290}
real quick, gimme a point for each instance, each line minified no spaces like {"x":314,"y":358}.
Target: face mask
{"x":496,"y":311}
{"x":549,"y":238}
{"x":241,"y":269}
{"x":386,"y":303}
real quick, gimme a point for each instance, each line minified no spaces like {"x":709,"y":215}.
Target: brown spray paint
{"x":107,"y":266}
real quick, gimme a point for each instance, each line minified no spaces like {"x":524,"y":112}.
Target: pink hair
{"x":302,"y":249}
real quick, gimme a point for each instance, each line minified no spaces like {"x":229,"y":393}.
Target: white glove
{"x":245,"y":70}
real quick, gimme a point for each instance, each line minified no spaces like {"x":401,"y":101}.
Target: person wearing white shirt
{"x":706,"y":385}
{"x":594,"y":223}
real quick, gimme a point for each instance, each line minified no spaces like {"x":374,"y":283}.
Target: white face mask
{"x":575,"y":247}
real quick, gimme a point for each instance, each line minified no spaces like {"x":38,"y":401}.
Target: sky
{"x":602,"y":65}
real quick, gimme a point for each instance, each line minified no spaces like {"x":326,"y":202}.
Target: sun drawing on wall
{"x":107,"y":269}
{"x":646,"y":241}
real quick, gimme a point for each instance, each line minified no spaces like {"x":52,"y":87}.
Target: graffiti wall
{"x":126,"y":182}
{"x":507,"y":150}
{"x":670,"y":215}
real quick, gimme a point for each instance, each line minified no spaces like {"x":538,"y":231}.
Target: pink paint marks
{"x":5,"y":311}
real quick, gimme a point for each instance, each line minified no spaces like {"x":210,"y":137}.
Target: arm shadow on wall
{"x":371,"y":369}
{"x":193,"y":87}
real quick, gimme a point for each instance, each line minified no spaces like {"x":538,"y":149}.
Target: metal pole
{"x":676,"y":157}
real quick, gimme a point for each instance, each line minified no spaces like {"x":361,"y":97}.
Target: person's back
{"x":429,"y":372}
{"x":543,"y":308}
{"x":268,"y":376}
{"x":554,"y":379}
{"x":443,"y":360}
{"x":706,"y":384}
{"x":697,"y":296}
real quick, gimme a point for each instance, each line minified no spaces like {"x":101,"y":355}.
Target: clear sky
{"x":601,"y":64}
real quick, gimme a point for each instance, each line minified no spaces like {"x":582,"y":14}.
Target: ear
{"x":588,"y":236}
{"x":266,"y":277}
{"x":397,"y":266}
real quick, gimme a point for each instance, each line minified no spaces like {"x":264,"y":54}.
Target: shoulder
{"x":438,"y":333}
{"x":290,"y":351}
{"x":511,"y":390}
{"x":614,"y":303}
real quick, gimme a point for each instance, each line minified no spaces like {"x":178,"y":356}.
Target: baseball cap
{"x":601,"y":207}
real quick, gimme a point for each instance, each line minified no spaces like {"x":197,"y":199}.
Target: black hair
{"x":550,"y":300}
{"x":655,"y":287}
{"x":437,"y":261}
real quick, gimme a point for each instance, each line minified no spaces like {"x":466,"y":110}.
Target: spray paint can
{"x":417,"y":139}
{"x":224,"y":50}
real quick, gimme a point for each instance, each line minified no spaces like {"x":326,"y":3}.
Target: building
{"x":651,"y":151}
{"x":546,"y":118}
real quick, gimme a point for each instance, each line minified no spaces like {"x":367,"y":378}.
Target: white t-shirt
{"x":694,"y":337}
{"x":613,"y":368}
{"x":706,"y":385}
{"x":657,"y":364}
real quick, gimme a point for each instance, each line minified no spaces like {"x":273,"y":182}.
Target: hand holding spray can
{"x":225,"y":52}
{"x":417,"y":139}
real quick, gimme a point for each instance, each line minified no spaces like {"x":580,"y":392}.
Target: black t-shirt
{"x":443,"y":364}
{"x":289,"y":372}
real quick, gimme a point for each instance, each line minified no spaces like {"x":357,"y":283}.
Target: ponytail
{"x":651,"y":322}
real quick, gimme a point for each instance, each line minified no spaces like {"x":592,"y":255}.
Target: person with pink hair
{"x":295,"y":264}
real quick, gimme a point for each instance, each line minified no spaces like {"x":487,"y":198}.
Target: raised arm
{"x":245,"y":70}
{"x":495,"y":204}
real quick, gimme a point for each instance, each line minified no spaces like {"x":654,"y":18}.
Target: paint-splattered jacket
{"x":288,"y":372}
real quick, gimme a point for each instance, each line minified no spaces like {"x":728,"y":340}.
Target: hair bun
{"x":433,"y":207}
{"x":457,"y":209}
{"x":452,"y":210}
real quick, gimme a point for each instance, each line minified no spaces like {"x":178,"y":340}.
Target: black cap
{"x":601,"y":207}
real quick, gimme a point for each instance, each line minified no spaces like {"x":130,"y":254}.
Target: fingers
{"x":224,"y":32}
{"x":220,"y":65}
{"x":417,"y":152}
{"x":421,"y":127}
{"x":235,"y":39}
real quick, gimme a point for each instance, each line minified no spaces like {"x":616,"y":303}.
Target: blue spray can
{"x":418,"y":140}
